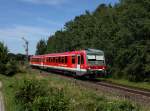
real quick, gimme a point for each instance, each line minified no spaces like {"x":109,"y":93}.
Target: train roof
{"x":94,"y":50}
{"x":68,"y":53}
{"x":65,"y":53}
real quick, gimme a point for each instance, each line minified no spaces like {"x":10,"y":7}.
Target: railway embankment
{"x":135,"y":85}
{"x":138,"y":95}
{"x":73,"y":94}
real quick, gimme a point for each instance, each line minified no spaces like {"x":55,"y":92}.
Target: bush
{"x":116,"y":106}
{"x":7,"y":65}
{"x":11,"y":68}
{"x":56,"y":101}
{"x":2,"y":68}
{"x":35,"y":96}
{"x":28,"y":91}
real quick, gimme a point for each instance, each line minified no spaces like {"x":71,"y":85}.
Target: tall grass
{"x":24,"y":92}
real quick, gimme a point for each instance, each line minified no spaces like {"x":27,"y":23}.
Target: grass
{"x":82,"y":99}
{"x":138,"y":85}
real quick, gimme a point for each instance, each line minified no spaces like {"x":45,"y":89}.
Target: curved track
{"x":130,"y":90}
{"x":139,"y":96}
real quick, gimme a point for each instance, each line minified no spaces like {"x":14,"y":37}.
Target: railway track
{"x":130,"y":90}
{"x":139,"y":96}
{"x":136,"y":95}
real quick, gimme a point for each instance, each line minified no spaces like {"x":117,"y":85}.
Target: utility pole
{"x":26,"y":46}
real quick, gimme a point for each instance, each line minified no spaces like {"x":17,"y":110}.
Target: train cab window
{"x":66,"y":60}
{"x":82,"y":59}
{"x":73,"y":59}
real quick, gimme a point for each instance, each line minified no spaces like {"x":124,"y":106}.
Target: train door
{"x":78,"y":64}
{"x":42,"y":62}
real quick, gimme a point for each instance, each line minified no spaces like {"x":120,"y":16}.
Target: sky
{"x":38,"y":19}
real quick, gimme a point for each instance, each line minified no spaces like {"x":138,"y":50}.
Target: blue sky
{"x":36,"y":19}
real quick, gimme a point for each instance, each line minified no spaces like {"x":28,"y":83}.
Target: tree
{"x":3,"y":57}
{"x":122,"y":31}
{"x":8,"y":65}
{"x":41,"y":47}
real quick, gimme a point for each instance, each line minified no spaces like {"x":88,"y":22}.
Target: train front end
{"x":96,"y":66}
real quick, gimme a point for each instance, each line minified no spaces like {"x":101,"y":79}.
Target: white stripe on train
{"x":58,"y":67}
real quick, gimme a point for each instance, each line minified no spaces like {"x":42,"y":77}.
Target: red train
{"x":89,"y":62}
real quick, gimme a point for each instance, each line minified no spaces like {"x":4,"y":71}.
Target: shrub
{"x":116,"y":106}
{"x":7,"y":65}
{"x":2,"y":68}
{"x":28,"y":91}
{"x":34,"y":95}
{"x":56,"y":101}
{"x":11,"y":68}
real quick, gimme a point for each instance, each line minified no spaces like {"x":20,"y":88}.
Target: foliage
{"x":41,"y":47}
{"x":8,"y":66}
{"x":11,"y":68}
{"x":3,"y":53}
{"x":122,"y":31}
{"x":17,"y":57}
{"x":116,"y":106}
{"x":59,"y":95}
{"x":3,"y":57}
{"x":34,"y":95}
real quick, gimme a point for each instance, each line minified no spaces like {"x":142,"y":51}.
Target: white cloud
{"x":50,"y":22}
{"x":20,"y":31}
{"x":47,"y":2}
{"x":12,"y":37}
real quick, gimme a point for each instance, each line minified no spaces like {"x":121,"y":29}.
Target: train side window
{"x":59,"y":60}
{"x":82,"y":59}
{"x":53,"y":59}
{"x":66,"y":60}
{"x":56,"y":60}
{"x":79,"y":59}
{"x":73,"y":59}
{"x":62,"y":60}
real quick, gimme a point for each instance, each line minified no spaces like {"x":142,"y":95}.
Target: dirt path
{"x":1,"y":99}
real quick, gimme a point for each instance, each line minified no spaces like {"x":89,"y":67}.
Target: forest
{"x":122,"y":31}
